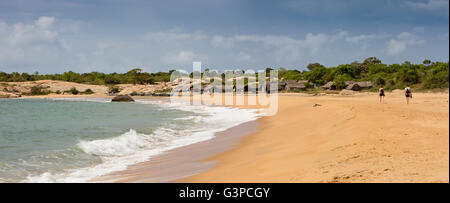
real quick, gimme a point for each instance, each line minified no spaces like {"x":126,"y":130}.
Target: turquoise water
{"x":43,"y":136}
{"x":77,"y":140}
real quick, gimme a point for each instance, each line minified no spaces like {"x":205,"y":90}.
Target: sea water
{"x":77,"y":140}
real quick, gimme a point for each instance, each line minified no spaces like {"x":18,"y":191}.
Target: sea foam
{"x":119,"y":152}
{"x":127,"y":143}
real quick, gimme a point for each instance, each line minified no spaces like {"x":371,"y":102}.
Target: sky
{"x":54,"y":36}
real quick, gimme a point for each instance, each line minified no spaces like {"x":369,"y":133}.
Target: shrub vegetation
{"x":428,"y":75}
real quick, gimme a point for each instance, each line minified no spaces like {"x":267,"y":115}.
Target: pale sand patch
{"x":21,"y":88}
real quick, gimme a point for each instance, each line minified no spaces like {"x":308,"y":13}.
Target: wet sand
{"x":184,"y":161}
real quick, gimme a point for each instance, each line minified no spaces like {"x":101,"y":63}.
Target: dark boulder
{"x":122,"y":98}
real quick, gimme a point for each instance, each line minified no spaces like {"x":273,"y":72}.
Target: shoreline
{"x":182,"y":162}
{"x":186,"y":161}
{"x":192,"y":154}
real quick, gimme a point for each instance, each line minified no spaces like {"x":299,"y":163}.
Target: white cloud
{"x":182,"y":58}
{"x":28,"y":43}
{"x":400,"y":44}
{"x":310,"y":44}
{"x":339,"y":36}
{"x":315,"y":42}
{"x":3,"y":31}
{"x":429,"y":4}
{"x":49,"y":45}
{"x":221,"y":41}
{"x":243,"y":56}
{"x":365,"y":40}
{"x":280,"y":48}
{"x":418,"y":29}
{"x":41,"y":30}
{"x":359,"y":38}
{"x":174,"y":34}
{"x":45,"y":22}
{"x":395,"y":47}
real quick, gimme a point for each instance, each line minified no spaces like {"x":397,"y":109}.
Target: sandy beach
{"x":345,"y":139}
{"x":328,"y":139}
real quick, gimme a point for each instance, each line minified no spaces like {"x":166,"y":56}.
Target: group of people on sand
{"x":408,"y":94}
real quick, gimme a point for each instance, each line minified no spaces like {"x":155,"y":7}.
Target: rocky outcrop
{"x":346,"y":92}
{"x":354,"y":87}
{"x":358,"y":86}
{"x":292,"y":85}
{"x":122,"y":98}
{"x":329,"y":86}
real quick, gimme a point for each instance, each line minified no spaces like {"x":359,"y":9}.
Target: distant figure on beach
{"x":381,"y":92}
{"x":408,"y":93}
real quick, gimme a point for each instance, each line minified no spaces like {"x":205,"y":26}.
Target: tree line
{"x":134,"y":76}
{"x":428,"y":75}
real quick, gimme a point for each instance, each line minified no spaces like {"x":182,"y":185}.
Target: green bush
{"x":317,"y":75}
{"x":113,"y":89}
{"x":379,"y":79}
{"x":88,"y":91}
{"x":291,"y":75}
{"x":428,"y":75}
{"x":438,"y":77}
{"x":339,"y":81}
{"x":38,"y":90}
{"x":74,"y":91}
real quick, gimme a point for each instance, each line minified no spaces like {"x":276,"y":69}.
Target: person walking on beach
{"x":381,"y":92}
{"x":408,"y":93}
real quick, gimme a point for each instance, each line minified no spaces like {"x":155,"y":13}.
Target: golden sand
{"x":343,"y":139}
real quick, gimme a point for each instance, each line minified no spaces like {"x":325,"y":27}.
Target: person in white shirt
{"x":408,"y":93}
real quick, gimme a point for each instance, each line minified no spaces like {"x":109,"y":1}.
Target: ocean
{"x":77,"y":140}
